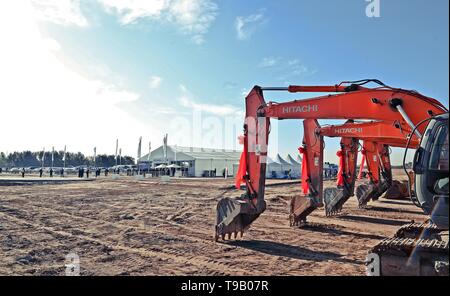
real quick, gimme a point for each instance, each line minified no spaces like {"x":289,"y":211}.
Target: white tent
{"x":273,"y":169}
{"x":285,"y":166}
{"x":296,"y":167}
{"x":198,"y":162}
{"x":173,"y":166}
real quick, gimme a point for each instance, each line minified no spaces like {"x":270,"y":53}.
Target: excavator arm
{"x":312,"y":175}
{"x":353,"y":101}
{"x":335,"y":197}
{"x":380,"y":176}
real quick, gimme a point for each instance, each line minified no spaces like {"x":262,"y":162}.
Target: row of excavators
{"x":381,"y":117}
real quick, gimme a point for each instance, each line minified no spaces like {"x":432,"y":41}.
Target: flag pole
{"x":117,"y":147}
{"x":95,"y":156}
{"x":53,"y":152}
{"x":43,"y":158}
{"x":139,"y":155}
{"x":64,"y":157}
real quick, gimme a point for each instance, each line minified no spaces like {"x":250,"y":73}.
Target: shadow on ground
{"x":396,"y":202}
{"x":391,"y":210}
{"x":289,"y":251}
{"x":337,"y":231}
{"x":374,"y":220}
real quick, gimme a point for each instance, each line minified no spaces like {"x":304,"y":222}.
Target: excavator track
{"x":418,"y":230}
{"x":408,"y":256}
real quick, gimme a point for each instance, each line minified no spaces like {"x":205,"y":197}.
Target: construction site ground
{"x":128,"y":226}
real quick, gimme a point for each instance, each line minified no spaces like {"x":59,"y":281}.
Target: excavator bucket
{"x":300,"y":208}
{"x":398,"y":190}
{"x":370,"y":191}
{"x":234,"y":216}
{"x":334,"y":199}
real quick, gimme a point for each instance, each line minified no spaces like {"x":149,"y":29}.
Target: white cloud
{"x":62,"y":12}
{"x":246,"y":25}
{"x":289,"y":68}
{"x":186,"y":100}
{"x":192,"y":17}
{"x":268,"y":62}
{"x":155,"y":82}
{"x":52,"y":44}
{"x":293,"y":62}
{"x":48,"y":104}
{"x":220,"y":110}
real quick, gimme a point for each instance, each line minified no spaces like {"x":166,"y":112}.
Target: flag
{"x":139,"y":150}
{"x":117,"y":146}
{"x":149,"y":151}
{"x":53,"y":152}
{"x":64,"y":155}
{"x":165,"y":146}
{"x":43,"y":156}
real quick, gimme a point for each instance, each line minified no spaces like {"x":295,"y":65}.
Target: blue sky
{"x":153,"y":64}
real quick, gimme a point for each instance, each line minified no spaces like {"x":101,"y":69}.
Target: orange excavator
{"x":353,"y":100}
{"x":377,"y":138}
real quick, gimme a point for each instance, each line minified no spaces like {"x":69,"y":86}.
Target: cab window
{"x":439,"y":160}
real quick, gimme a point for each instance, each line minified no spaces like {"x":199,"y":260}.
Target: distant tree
{"x":33,"y":159}
{"x":127,"y":160}
{"x":3,"y":160}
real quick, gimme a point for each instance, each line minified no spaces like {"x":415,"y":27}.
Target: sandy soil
{"x":131,"y":227}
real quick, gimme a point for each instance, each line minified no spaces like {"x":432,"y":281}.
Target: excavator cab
{"x":431,"y":168}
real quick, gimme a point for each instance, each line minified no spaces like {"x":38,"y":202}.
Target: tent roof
{"x":281,"y":160}
{"x":192,"y":153}
{"x":291,"y":160}
{"x":271,"y":161}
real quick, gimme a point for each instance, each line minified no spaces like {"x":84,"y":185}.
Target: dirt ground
{"x":142,"y":227}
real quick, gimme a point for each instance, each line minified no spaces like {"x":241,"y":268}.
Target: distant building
{"x":198,"y":162}
{"x":203,"y":162}
{"x":330,"y":169}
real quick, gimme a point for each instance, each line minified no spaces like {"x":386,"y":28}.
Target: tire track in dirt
{"x":117,"y":224}
{"x":168,"y":254}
